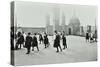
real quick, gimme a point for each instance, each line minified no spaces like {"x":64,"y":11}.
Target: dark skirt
{"x":41,"y":39}
{"x":56,"y":44}
{"x":64,"y":43}
{"x":91,"y":38}
{"x":34,"y":44}
{"x":87,"y":37}
{"x":27,"y":44}
{"x":20,"y":40}
{"x":46,"y":41}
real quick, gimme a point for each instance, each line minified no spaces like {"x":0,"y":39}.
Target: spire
{"x":56,"y":15}
{"x":56,"y":18}
{"x":47,"y":20}
{"x":63,"y":19}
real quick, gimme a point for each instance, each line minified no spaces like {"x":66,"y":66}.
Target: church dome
{"x":74,"y":21}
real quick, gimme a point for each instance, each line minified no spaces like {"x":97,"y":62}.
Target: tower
{"x":63,"y":22}
{"x":47,"y":20}
{"x":49,"y":28}
{"x":56,"y":18}
{"x":47,"y":23}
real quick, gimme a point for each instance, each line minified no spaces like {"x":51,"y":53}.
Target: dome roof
{"x":74,"y":21}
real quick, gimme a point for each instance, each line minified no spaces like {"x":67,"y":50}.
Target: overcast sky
{"x":30,"y":14}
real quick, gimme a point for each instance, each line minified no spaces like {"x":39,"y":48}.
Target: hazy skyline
{"x":30,"y":14}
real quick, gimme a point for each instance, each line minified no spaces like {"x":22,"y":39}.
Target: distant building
{"x":49,"y":28}
{"x":82,"y":31}
{"x":73,"y":28}
{"x":56,"y":19}
{"x":33,"y":30}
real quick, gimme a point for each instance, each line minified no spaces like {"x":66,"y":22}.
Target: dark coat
{"x":34,"y":42}
{"x":87,"y":36}
{"x":20,"y":39}
{"x":64,"y":40}
{"x":40,"y":38}
{"x":12,"y":40}
{"x":18,"y":34}
{"x":46,"y":39}
{"x":57,"y":41}
{"x":28,"y":41}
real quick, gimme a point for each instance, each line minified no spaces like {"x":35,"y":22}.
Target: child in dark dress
{"x":20,"y":40}
{"x":64,"y":40}
{"x":34,"y":42}
{"x":87,"y":36}
{"x":40,"y":38}
{"x":28,"y":43}
{"x":57,"y":42}
{"x":46,"y":41}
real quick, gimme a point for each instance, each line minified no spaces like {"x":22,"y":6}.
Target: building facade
{"x":73,"y":28}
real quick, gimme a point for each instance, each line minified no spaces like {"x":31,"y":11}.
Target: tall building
{"x":63,"y":22}
{"x":82,"y":31}
{"x":49,"y":28}
{"x":47,"y":20}
{"x":47,"y":23}
{"x":56,"y":18}
{"x":74,"y":26}
{"x":88,"y":28}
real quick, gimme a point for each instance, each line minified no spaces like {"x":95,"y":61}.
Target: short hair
{"x":29,"y":33}
{"x":44,"y":32}
{"x":55,"y":31}
{"x":34,"y":33}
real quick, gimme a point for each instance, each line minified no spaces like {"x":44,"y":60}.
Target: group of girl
{"x":32,"y":41}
